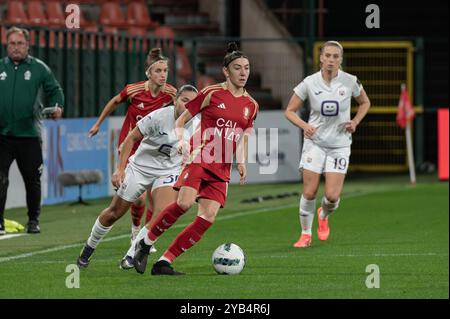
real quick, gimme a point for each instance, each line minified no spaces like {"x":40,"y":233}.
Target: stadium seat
{"x":36,"y":14}
{"x":111,"y":15}
{"x":80,"y":178}
{"x":164,"y":37}
{"x":183,"y":65}
{"x":16,"y":13}
{"x":56,"y":19}
{"x":56,"y":16}
{"x":138,"y":16}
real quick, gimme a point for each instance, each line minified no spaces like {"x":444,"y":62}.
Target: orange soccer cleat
{"x":303,"y":242}
{"x":323,"y":231}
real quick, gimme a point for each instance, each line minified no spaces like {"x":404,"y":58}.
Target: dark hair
{"x":233,"y":53}
{"x":186,"y":87}
{"x":154,"y":55}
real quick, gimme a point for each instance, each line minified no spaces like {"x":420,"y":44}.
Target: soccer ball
{"x":228,"y":259}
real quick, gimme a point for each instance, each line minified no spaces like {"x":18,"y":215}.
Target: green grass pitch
{"x":402,"y":229}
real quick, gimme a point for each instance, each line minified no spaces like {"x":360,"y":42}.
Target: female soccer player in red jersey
{"x":227,"y":115}
{"x":142,"y":97}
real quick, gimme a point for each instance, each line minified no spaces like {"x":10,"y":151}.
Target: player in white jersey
{"x":154,"y":167}
{"x":327,"y":136}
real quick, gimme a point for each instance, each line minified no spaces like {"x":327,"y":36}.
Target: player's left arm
{"x":363,"y":107}
{"x":241,"y":158}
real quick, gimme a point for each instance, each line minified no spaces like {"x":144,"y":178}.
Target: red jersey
{"x":140,"y":103}
{"x":225,"y":119}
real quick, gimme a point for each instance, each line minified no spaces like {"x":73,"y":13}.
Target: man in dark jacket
{"x":24,"y":80}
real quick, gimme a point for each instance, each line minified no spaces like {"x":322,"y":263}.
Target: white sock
{"x":306,"y":213}
{"x":328,"y":207}
{"x":165,"y":259}
{"x":98,"y":232}
{"x":142,"y":233}
{"x":148,"y":241}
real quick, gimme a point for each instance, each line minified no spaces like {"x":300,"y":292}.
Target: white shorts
{"x":320,"y":159}
{"x":135,"y":183}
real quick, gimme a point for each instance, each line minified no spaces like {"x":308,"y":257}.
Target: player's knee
{"x":332,"y":197}
{"x":139,"y":202}
{"x":208,"y":216}
{"x":309,"y":195}
{"x":185,"y":203}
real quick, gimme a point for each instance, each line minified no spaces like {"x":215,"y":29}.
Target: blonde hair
{"x":332,"y":44}
{"x":12,"y":30}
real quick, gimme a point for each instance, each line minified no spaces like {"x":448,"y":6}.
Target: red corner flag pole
{"x":405,"y":114}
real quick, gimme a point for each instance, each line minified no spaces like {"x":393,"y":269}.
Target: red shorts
{"x":206,"y":183}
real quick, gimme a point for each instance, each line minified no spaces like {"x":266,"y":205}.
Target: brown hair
{"x":233,"y":53}
{"x":12,"y":30}
{"x":154,"y":55}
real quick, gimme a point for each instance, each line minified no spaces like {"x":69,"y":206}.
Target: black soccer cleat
{"x":163,"y":268}
{"x":2,"y":229}
{"x":141,"y":256}
{"x":126,"y":263}
{"x":85,"y":256}
{"x":33,"y":227}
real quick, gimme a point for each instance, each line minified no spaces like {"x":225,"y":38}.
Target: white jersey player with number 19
{"x":154,"y":167}
{"x":327,"y":136}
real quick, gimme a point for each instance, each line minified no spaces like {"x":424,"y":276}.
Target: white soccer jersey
{"x":157,"y":152}
{"x":330,"y":106}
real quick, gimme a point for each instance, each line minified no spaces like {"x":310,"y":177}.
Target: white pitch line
{"x":63,"y":247}
{"x":237,"y":215}
{"x":10,"y":236}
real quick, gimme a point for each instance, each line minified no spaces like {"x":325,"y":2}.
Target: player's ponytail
{"x":233,"y":53}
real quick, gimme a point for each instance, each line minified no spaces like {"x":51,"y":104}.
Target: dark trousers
{"x":27,"y":152}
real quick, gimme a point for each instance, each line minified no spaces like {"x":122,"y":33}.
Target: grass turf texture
{"x":383,"y":221}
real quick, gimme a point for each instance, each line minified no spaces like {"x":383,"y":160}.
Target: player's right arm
{"x":134,"y":136}
{"x":183,"y":147}
{"x":110,"y":107}
{"x":295,"y":103}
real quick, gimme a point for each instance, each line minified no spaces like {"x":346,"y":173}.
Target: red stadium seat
{"x":164,"y":37}
{"x":183,"y":65}
{"x":56,"y":16}
{"x":111,"y":15}
{"x":138,"y":16}
{"x":36,"y":14}
{"x":16,"y":13}
{"x":56,"y":19}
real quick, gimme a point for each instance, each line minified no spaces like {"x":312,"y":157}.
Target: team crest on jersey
{"x":309,"y":160}
{"x":246,"y":113}
{"x":27,"y":75}
{"x":342,"y":92}
{"x":3,"y":76}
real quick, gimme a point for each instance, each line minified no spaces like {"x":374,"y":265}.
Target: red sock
{"x":136,"y":214}
{"x":165,"y":219}
{"x":149,"y":215}
{"x":187,"y":238}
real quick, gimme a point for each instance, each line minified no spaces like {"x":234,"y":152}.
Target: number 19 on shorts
{"x":340,"y":163}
